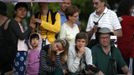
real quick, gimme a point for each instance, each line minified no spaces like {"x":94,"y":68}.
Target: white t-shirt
{"x":69,"y":33}
{"x":109,"y":20}
{"x":22,"y":46}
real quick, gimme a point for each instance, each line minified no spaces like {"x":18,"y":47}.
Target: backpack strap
{"x":6,"y":24}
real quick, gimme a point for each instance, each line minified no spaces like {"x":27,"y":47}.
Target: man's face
{"x":21,"y":12}
{"x":98,"y":5}
{"x":104,"y":40}
{"x":65,"y":4}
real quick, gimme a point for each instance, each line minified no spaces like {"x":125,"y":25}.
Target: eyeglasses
{"x":95,"y":3}
{"x":76,"y":16}
{"x":107,"y":37}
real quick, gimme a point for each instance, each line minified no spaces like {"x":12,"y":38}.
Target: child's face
{"x":80,"y":43}
{"x":35,"y":42}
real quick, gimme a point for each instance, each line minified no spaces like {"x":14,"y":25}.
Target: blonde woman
{"x":53,"y":58}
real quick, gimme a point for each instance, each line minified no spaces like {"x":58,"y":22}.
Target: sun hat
{"x":105,"y":30}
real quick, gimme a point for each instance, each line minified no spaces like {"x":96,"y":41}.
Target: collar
{"x":101,"y":49}
{"x":111,"y":44}
{"x":105,"y":11}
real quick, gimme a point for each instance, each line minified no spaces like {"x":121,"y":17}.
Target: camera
{"x":95,"y":23}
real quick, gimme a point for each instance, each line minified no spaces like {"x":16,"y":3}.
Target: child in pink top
{"x":34,"y":55}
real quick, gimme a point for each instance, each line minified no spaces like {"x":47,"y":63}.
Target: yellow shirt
{"x":49,"y":30}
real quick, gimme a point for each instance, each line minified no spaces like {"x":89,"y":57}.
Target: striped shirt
{"x":46,"y":65}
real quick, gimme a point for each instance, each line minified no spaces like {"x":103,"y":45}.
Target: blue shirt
{"x":63,"y":17}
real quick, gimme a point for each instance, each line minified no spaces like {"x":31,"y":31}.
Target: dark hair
{"x":124,"y":7}
{"x":71,"y":10}
{"x":34,"y":36}
{"x":3,"y":8}
{"x":82,"y":35}
{"x":21,"y":4}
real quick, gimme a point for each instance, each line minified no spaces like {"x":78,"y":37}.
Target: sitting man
{"x":106,"y":56}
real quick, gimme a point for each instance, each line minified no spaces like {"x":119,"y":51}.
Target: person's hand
{"x":100,"y":73}
{"x":59,"y":52}
{"x":65,"y":71}
{"x":128,"y":73}
{"x":81,"y":51}
{"x":89,"y":72}
{"x":95,"y":28}
{"x":32,"y":23}
{"x":37,"y":20}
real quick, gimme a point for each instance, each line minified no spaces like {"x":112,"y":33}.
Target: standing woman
{"x":15,"y":36}
{"x":53,"y":58}
{"x":69,"y":29}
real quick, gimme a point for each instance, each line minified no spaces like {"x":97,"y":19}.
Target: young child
{"x":34,"y":55}
{"x":79,"y":55}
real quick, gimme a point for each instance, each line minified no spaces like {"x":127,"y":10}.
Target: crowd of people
{"x":53,"y":43}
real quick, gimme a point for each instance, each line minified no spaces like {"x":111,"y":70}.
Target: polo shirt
{"x":109,"y":19}
{"x":101,"y":60}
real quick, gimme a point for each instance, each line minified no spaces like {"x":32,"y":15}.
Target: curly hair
{"x":70,"y":11}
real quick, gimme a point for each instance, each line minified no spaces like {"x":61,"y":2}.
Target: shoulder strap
{"x":112,"y":66}
{"x":6,"y":24}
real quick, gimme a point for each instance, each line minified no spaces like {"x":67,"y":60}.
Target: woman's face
{"x":74,"y":18}
{"x":21,"y":12}
{"x":80,"y":43}
{"x":57,"y":46}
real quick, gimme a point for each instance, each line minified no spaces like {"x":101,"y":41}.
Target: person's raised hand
{"x":58,"y":52}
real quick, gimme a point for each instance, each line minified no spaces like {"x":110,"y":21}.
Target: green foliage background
{"x":84,"y":6}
